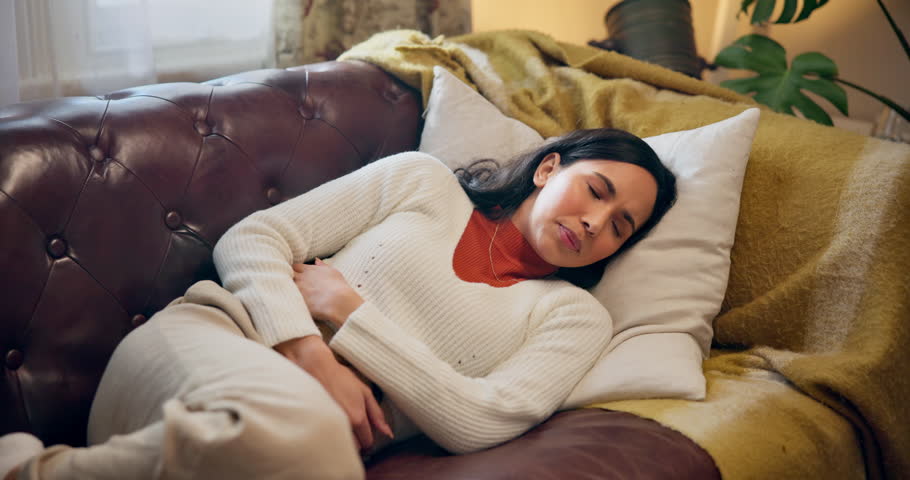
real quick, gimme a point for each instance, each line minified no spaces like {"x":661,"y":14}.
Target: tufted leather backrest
{"x":110,"y":206}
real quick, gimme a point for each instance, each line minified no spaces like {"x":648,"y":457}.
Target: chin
{"x":572,"y":265}
{"x":562,"y":259}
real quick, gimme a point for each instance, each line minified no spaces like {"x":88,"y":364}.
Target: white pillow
{"x":663,"y":293}
{"x":456,"y":112}
{"x":672,"y":282}
{"x":650,"y":365}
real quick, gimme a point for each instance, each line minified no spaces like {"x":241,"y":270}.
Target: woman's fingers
{"x":362,"y":430}
{"x":341,"y":383}
{"x":375,"y":413}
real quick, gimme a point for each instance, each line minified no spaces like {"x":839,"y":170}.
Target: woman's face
{"x":582,"y":213}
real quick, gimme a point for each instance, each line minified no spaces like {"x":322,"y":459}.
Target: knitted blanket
{"x":810,"y":373}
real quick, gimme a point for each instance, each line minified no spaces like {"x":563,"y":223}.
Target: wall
{"x":854,"y":33}
{"x":574,"y":21}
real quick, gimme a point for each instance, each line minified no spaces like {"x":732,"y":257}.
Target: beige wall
{"x":854,"y":33}
{"x":575,"y":21}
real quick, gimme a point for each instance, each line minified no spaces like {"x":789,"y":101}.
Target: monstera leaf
{"x":764,"y":9}
{"x":779,"y":87}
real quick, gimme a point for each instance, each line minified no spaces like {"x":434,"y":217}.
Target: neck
{"x":521,"y":217}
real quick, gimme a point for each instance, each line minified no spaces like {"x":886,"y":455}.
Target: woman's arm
{"x":342,"y":383}
{"x":254,"y":257}
{"x":465,"y":414}
{"x":254,"y":261}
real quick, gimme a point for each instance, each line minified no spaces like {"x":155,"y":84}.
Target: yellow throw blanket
{"x":814,"y":378}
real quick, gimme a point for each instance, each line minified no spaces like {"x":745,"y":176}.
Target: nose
{"x":590,"y":229}
{"x":595,"y":221}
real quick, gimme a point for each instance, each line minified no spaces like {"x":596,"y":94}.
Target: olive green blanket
{"x":810,"y":377}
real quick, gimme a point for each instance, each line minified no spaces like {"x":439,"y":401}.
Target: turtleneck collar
{"x":509,"y":260}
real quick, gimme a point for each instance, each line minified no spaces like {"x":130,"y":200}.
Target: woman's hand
{"x":354,"y":396}
{"x":327,"y":294}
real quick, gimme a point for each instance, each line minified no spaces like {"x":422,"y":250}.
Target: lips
{"x":569,"y":238}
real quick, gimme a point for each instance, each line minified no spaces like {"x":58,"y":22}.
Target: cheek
{"x":544,"y":209}
{"x":605,"y":247}
{"x":559,"y":200}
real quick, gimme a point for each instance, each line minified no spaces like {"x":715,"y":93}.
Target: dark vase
{"x":656,"y":31}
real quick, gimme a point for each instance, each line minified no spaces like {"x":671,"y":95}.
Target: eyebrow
{"x":612,"y":190}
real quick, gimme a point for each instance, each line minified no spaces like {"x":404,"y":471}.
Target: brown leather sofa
{"x":110,"y":206}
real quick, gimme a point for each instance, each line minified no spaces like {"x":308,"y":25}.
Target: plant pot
{"x":656,"y":31}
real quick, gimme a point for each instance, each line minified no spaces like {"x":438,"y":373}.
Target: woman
{"x":447,"y":291}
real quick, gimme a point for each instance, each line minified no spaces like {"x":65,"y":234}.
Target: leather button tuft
{"x":273,"y":196}
{"x":173,"y":220}
{"x":96,"y":153}
{"x":307,"y":110}
{"x":393,"y":93}
{"x":14,"y":359}
{"x":202,"y":128}
{"x":56,"y":247}
{"x":138,"y":320}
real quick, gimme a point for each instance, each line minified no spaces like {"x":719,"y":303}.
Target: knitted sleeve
{"x":254,"y":257}
{"x":570,"y":329}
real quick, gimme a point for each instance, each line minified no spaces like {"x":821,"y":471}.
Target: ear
{"x":548,"y":167}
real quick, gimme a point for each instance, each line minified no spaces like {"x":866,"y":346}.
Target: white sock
{"x":15,"y":449}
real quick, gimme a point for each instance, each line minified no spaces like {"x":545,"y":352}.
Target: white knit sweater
{"x":470,"y":364}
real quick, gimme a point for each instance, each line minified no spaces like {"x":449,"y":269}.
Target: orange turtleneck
{"x":512,"y":256}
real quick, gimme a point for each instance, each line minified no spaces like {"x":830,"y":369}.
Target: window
{"x":76,"y":47}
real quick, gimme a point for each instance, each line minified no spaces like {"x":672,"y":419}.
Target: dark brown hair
{"x":498,"y":190}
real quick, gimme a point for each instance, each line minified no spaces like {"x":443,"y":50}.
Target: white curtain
{"x":89,"y":47}
{"x":9,"y":69}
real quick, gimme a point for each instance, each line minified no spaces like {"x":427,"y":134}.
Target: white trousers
{"x":193,"y":394}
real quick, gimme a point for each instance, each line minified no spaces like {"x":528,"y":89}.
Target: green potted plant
{"x":779,"y":85}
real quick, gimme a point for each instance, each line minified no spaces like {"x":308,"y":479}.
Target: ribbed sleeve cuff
{"x":362,"y":336}
{"x":380,"y":350}
{"x":275,"y":332}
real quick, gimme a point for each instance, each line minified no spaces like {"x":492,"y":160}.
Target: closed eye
{"x":594,"y":192}
{"x":616,"y":230}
